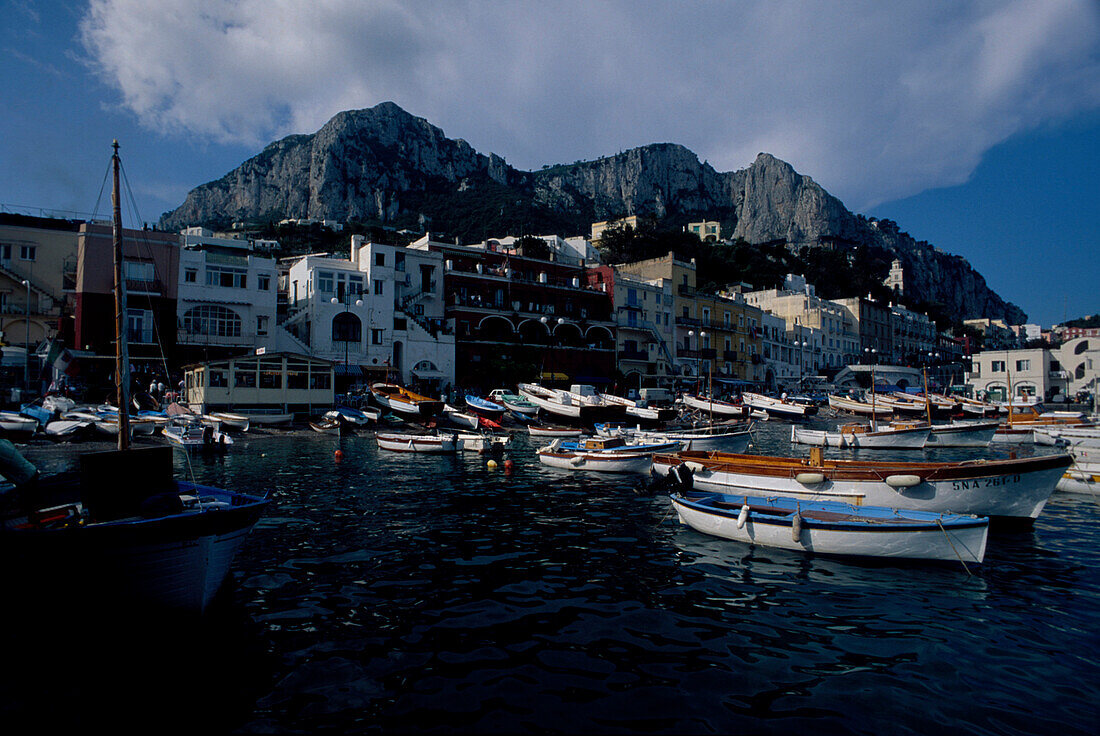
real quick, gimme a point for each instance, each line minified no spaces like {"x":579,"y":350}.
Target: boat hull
{"x":417,"y":443}
{"x":962,"y":435}
{"x":553,"y":432}
{"x":777,"y":407}
{"x":1006,"y":488}
{"x":906,"y":439}
{"x":598,"y":462}
{"x":886,"y":534}
{"x":720,"y":408}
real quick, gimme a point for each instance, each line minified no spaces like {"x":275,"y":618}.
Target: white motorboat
{"x":728,"y":438}
{"x":1016,"y":488}
{"x":406,"y":442}
{"x":640,"y":411}
{"x":777,"y":407}
{"x":713,"y":406}
{"x":228,"y":420}
{"x":833,"y":528}
{"x":579,"y":405}
{"x":190,"y":434}
{"x":1053,"y":435}
{"x":962,"y":434}
{"x":483,"y":442}
{"x":864,"y":436}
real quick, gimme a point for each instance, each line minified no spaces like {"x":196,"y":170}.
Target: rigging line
{"x":143,"y":244}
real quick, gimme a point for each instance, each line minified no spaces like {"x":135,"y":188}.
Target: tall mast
{"x":122,"y":356}
{"x":927,"y":398}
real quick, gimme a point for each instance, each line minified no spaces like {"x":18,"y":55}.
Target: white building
{"x":1043,"y":373}
{"x":836,"y":340}
{"x":780,"y":357}
{"x":646,"y":330}
{"x":378,"y":315}
{"x":226,"y":298}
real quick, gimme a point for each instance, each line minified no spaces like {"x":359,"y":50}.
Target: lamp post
{"x":27,"y":362}
{"x":699,"y":355}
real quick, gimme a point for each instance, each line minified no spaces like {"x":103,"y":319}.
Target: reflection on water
{"x":431,"y":593}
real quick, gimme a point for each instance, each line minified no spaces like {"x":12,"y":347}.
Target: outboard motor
{"x":682,"y":475}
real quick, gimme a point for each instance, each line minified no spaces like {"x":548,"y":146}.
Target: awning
{"x":348,"y":370}
{"x":550,"y":376}
{"x":431,"y":374}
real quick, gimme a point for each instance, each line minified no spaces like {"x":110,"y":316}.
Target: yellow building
{"x":599,"y":227}
{"x":709,"y":231}
{"x":37,"y":269}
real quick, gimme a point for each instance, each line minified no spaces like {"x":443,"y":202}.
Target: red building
{"x":523,"y":317}
{"x":151,"y":270}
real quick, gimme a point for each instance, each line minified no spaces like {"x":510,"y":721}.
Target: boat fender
{"x":810,"y":479}
{"x":903,"y":481}
{"x":743,"y":516}
{"x":796,"y":527}
{"x":581,"y":460}
{"x":695,"y":467}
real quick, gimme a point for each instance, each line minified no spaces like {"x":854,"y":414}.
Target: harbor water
{"x":399,"y":593}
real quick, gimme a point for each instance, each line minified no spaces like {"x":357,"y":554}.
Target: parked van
{"x":656,"y":395}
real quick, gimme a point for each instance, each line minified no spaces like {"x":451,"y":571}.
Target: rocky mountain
{"x":384,"y":165}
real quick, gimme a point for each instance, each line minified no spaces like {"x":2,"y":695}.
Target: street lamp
{"x":27,"y":362}
{"x":699,"y":353}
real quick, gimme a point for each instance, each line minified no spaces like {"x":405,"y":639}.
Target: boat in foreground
{"x":833,"y":528}
{"x":1013,"y":488}
{"x":142,"y":538}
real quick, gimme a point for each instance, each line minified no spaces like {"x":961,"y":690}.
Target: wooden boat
{"x":464,"y":419}
{"x":639,"y":411}
{"x":962,"y":434}
{"x":17,"y":423}
{"x":902,"y":404}
{"x":843,"y":403}
{"x":261,"y":417}
{"x":402,"y":401}
{"x":124,"y":530}
{"x":484,"y":407}
{"x":833,"y":528}
{"x":597,"y":461}
{"x":617,"y":444}
{"x":407,"y":442}
{"x":777,"y":407}
{"x":1022,"y":422}
{"x":514,"y":402}
{"x":483,"y":442}
{"x":975,"y":407}
{"x":730,"y":438}
{"x":328,"y":426}
{"x":68,"y":428}
{"x":1054,"y":435}
{"x":541,"y":431}
{"x":1016,"y":488}
{"x":713,"y":406}
{"x":864,"y":436}
{"x":228,"y":420}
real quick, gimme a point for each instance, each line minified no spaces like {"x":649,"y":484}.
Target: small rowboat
{"x":484,"y":408}
{"x":483,"y":442}
{"x":713,"y":406}
{"x":403,"y":442}
{"x":227,"y":420}
{"x":514,"y":402}
{"x":327,"y":426}
{"x":835,"y":528}
{"x":777,"y":407}
{"x":16,"y":423}
{"x":596,"y":461}
{"x":402,"y":401}
{"x":553,"y":431}
{"x":460,"y":418}
{"x":863,"y":436}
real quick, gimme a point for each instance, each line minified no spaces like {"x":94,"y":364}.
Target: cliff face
{"x":387,"y":165}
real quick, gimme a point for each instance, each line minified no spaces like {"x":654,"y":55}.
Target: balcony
{"x":704,"y":354}
{"x":143,"y":286}
{"x":633,"y":355}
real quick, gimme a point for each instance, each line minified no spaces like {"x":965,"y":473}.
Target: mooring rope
{"x":939,"y":523}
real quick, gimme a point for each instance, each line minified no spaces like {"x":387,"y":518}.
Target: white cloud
{"x":874,"y":100}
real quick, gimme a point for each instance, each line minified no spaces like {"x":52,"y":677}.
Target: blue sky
{"x":974,"y":125}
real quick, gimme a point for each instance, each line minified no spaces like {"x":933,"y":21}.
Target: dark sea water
{"x":396,"y":593}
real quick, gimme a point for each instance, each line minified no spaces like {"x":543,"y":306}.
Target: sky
{"x":975,"y":126}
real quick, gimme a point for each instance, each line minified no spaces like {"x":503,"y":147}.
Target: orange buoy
{"x":508,"y":464}
{"x":339,"y":455}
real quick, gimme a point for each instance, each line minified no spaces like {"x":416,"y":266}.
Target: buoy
{"x":508,"y":464}
{"x":743,"y":516}
{"x":339,"y":455}
{"x":491,"y":464}
{"x":796,"y":527}
{"x":903,"y":481}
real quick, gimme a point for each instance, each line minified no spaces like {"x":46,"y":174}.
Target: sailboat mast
{"x":927,"y":398}
{"x":122,"y":357}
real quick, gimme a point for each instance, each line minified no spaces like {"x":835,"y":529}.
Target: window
{"x":212,"y":320}
{"x":346,"y":327}
{"x":376,"y":337}
{"x":263,"y":282}
{"x":261,"y":324}
{"x":5,"y":251}
{"x":726,"y":319}
{"x":218,"y":379}
{"x":380,"y":259}
{"x":1081,"y":347}
{"x":236,"y":278}
{"x":139,"y":325}
{"x":319,"y":378}
{"x":399,"y":262}
{"x":191,"y":275}
{"x":324,"y":282}
{"x":27,"y":252}
{"x":997,"y":366}
{"x":1023,"y":365}
{"x":378,"y":287}
{"x":244,"y":376}
{"x":297,"y":374}
{"x":271,"y":374}
{"x":1080,"y":372}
